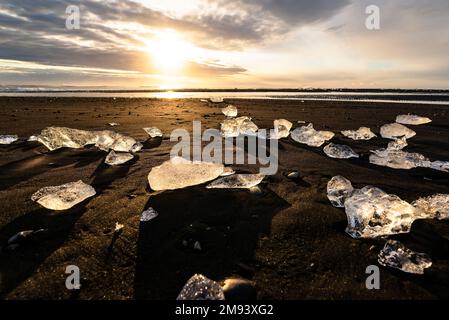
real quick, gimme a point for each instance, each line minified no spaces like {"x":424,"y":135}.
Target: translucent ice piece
{"x":63,"y":197}
{"x":396,"y":255}
{"x":363,"y":133}
{"x":396,"y":130}
{"x":179,"y":173}
{"x":115,"y":159}
{"x":114,"y":124}
{"x":309,"y":136}
{"x":440,"y":165}
{"x":237,"y":181}
{"x":373,"y":213}
{"x":412,"y":120}
{"x":148,"y":215}
{"x":201,"y":288}
{"x":32,"y":138}
{"x":282,"y":129}
{"x":339,"y":151}
{"x":239,"y":126}
{"x":338,"y":189}
{"x":398,"y":159}
{"x":8,"y":139}
{"x":230,"y":111}
{"x":398,"y":144}
{"x":153,"y":132}
{"x":436,"y":206}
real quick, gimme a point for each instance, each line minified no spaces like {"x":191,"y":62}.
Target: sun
{"x":169,"y":52}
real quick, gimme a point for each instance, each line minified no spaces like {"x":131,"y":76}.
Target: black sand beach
{"x":288,"y":240}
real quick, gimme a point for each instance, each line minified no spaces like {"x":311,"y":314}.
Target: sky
{"x":225,"y":44}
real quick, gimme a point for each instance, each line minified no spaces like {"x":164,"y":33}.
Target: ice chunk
{"x":153,"y":132}
{"x":118,"y":228}
{"x":179,"y":173}
{"x":396,"y":255}
{"x":398,"y":144}
{"x":63,"y":197}
{"x":201,"y":288}
{"x":338,"y":189}
{"x":58,"y":137}
{"x":396,"y":130}
{"x":436,"y":206}
{"x":282,"y":129}
{"x":237,"y":181}
{"x":8,"y":139}
{"x":412,"y":120}
{"x":363,"y":133}
{"x":114,"y":159}
{"x":231,"y":128}
{"x":339,"y":151}
{"x":230,"y":111}
{"x":440,"y":165}
{"x":32,"y":138}
{"x":309,"y":136}
{"x":398,"y":159}
{"x":148,"y":215}
{"x":216,"y":99}
{"x":136,"y":147}
{"x":373,"y":213}
{"x":114,"y":124}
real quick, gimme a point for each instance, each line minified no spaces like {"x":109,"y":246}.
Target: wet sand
{"x":288,"y":240}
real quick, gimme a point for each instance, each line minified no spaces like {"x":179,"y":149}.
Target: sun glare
{"x":169,"y":52}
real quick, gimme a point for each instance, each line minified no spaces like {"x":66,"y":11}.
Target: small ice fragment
{"x":293,"y":175}
{"x":373,"y":213}
{"x":63,"y":197}
{"x":338,"y":189}
{"x":216,"y":99}
{"x":231,"y":128}
{"x":396,"y":130}
{"x":201,"y":288}
{"x":118,"y":227}
{"x":282,"y":129}
{"x":301,"y":122}
{"x":197,"y":246}
{"x":363,"y":133}
{"x":413,"y":120}
{"x":440,"y":165}
{"x":178,"y":173}
{"x":114,"y":124}
{"x":230,"y":111}
{"x":32,"y":138}
{"x":24,"y":236}
{"x":148,"y":215}
{"x":396,"y":255}
{"x":237,"y":181}
{"x":8,"y":139}
{"x":398,"y":144}
{"x":136,"y":147}
{"x":398,"y":159}
{"x":153,"y":132}
{"x":436,"y":206}
{"x":115,"y":159}
{"x":339,"y":151}
{"x":227,"y":172}
{"x":204,"y":100}
{"x":309,"y":136}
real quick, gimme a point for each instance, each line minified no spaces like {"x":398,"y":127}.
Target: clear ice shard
{"x":440,"y":165}
{"x":339,"y":151}
{"x":231,"y":128}
{"x":396,"y":130}
{"x":58,"y":137}
{"x":148,"y":215}
{"x":338,"y":189}
{"x":282,"y":129}
{"x":363,"y":133}
{"x":436,"y":206}
{"x":309,"y":136}
{"x":237,"y":181}
{"x":398,"y":144}
{"x":398,"y":159}
{"x":373,"y":213}
{"x":201,"y":288}
{"x":230,"y":111}
{"x":413,"y":120}
{"x":63,"y":197}
{"x":8,"y":139}
{"x":178,"y":173}
{"x":396,"y":255}
{"x":115,"y":159}
{"x":216,"y":99}
{"x":153,"y":132}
